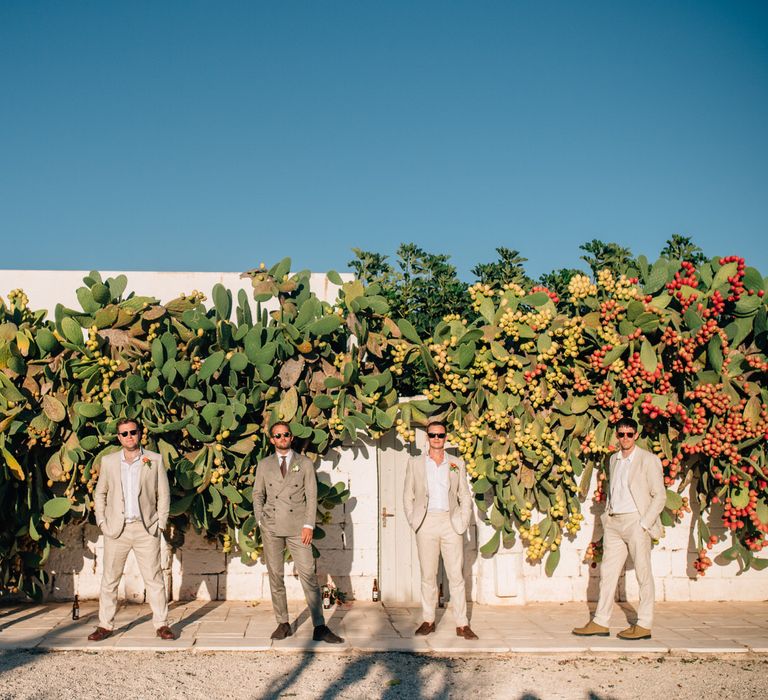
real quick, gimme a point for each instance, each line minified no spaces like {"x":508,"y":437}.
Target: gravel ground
{"x":268,"y":676}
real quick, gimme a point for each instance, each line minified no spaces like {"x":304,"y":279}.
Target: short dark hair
{"x":124,"y":421}
{"x":438,"y":423}
{"x":627,"y":422}
{"x":275,"y":425}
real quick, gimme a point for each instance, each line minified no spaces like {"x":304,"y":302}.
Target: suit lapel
{"x":635,"y":472}
{"x":143,"y":473}
{"x":117,"y":467}
{"x":611,"y":470}
{"x":453,"y":479}
{"x":283,"y":482}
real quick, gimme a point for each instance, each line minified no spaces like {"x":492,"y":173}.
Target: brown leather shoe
{"x":322,"y":633}
{"x":425,"y":628}
{"x":165,"y":632}
{"x":99,"y":634}
{"x":282,"y":631}
{"x":466,"y":632}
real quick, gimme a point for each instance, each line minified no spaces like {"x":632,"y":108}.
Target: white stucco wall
{"x":46,"y":288}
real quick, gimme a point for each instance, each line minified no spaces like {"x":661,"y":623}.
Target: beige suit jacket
{"x":416,"y":498}
{"x":646,"y":484}
{"x":285,"y":505}
{"x":154,"y":495}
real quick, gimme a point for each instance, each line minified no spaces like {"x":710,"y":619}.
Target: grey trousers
{"x":274,"y":547}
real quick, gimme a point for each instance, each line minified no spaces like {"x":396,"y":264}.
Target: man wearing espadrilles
{"x":636,"y":497}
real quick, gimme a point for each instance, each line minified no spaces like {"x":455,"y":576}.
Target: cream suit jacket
{"x":416,"y":498}
{"x":646,"y":484}
{"x":154,"y":495}
{"x":285,"y":505}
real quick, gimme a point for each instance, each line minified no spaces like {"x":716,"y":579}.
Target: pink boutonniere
{"x":454,"y":467}
{"x":146,"y":461}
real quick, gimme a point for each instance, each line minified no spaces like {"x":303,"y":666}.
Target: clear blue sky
{"x":214,"y":135}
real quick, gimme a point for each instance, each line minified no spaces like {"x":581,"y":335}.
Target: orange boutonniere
{"x":454,"y":467}
{"x":146,"y":461}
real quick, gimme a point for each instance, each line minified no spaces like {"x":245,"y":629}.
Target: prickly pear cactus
{"x":206,"y":383}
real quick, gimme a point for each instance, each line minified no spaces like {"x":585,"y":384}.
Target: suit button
{"x":290,"y":510}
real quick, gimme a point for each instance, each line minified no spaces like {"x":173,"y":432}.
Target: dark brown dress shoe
{"x":165,"y":632}
{"x":323,"y":633}
{"x":466,"y":632}
{"x":425,"y":628}
{"x":282,"y":631}
{"x":99,"y":634}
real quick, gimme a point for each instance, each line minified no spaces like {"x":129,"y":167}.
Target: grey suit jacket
{"x":154,"y":495}
{"x":646,"y":484}
{"x":285,"y":505}
{"x":416,"y":496}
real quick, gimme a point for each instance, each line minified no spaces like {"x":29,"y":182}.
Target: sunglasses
{"x":626,"y":433}
{"x":126,"y":433}
{"x":277,"y":436}
{"x":436,"y":435}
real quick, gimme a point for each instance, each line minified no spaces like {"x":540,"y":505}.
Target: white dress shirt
{"x":130,"y":473}
{"x":437,"y":485}
{"x":621,"y":497}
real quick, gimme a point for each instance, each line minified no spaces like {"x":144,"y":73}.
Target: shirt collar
{"x":445,"y":459}
{"x":288,"y":457}
{"x":630,"y":456}
{"x":123,"y":460}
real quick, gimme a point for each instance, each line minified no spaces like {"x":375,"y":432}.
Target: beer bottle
{"x":326,"y":598}
{"x":440,"y":597}
{"x":76,"y":609}
{"x":375,"y":594}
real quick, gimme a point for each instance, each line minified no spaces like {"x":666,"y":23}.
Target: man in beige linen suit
{"x":636,"y":498}
{"x":285,"y":504}
{"x":131,"y":502}
{"x":438,"y":506}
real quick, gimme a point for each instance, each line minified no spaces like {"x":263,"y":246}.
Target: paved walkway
{"x":718,"y":628}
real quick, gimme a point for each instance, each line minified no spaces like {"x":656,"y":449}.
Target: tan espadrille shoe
{"x":591,"y":629}
{"x":634,"y":632}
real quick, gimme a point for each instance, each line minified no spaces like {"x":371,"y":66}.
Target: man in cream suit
{"x":131,"y":502}
{"x":438,"y":506}
{"x":285,"y":504}
{"x":636,"y":498}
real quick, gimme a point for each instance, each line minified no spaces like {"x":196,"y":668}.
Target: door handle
{"x":385,"y":515}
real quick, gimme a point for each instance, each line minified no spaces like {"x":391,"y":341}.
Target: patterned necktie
{"x":283,"y":468}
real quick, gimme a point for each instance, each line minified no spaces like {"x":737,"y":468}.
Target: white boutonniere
{"x":295,"y":467}
{"x":146,"y":461}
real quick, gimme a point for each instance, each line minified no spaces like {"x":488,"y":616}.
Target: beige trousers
{"x":623,"y":534}
{"x":146,"y":549}
{"x":274,"y":548}
{"x":436,"y":535}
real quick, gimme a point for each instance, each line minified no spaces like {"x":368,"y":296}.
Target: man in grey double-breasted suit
{"x":285,"y":504}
